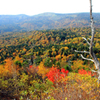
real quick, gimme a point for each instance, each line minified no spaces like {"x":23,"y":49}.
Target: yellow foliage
{"x":66,"y":48}
{"x":65,"y":41}
{"x":58,"y":57}
{"x":42,"y":71}
{"x":85,"y":82}
{"x":97,"y":45}
{"x":69,"y":56}
{"x":64,"y":58}
{"x":78,"y":64}
{"x":61,"y":43}
{"x":17,"y":58}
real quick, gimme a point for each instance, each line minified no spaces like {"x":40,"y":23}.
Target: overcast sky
{"x":33,"y":7}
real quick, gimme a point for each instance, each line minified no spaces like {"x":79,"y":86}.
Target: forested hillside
{"x":22,"y":23}
{"x":42,"y":65}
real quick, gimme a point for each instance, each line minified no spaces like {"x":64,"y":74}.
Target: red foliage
{"x":30,"y":66}
{"x":64,"y":73}
{"x":55,"y":75}
{"x":85,"y":72}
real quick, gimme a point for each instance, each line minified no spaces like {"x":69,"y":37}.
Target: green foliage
{"x":67,"y":67}
{"x":25,"y":63}
{"x":48,"y":62}
{"x":54,"y":61}
{"x":18,"y":63}
{"x":38,"y":60}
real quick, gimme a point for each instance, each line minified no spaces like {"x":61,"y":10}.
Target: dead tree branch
{"x":86,"y":40}
{"x":91,"y":44}
{"x":86,"y":58}
{"x":82,"y":51}
{"x":96,"y":62}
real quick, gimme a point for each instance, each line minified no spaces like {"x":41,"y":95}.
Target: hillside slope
{"x":13,"y":23}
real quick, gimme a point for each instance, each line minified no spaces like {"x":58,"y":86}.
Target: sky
{"x":34,"y":7}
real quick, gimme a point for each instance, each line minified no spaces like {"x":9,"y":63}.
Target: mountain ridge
{"x":22,"y":22}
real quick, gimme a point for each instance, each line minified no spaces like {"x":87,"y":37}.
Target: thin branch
{"x":82,"y":51}
{"x":86,"y":40}
{"x":93,"y":71}
{"x":86,"y":58}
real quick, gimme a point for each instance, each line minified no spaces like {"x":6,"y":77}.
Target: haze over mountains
{"x":19,"y":23}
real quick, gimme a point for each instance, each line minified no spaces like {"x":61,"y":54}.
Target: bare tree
{"x":91,"y":44}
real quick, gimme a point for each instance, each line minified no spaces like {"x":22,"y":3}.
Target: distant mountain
{"x":17,"y":23}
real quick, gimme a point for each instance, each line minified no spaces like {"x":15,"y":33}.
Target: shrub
{"x":55,"y":74}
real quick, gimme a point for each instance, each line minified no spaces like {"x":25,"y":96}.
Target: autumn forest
{"x":43,"y":65}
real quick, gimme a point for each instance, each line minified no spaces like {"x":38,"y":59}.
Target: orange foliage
{"x":58,"y":57}
{"x":9,"y":68}
{"x":14,"y":54}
